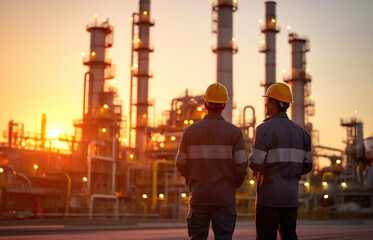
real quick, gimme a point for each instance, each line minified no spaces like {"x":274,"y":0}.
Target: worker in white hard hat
{"x":212,"y":158}
{"x":281,"y":153}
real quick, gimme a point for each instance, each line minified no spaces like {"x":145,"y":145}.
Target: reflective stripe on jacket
{"x":212,"y":159}
{"x":281,"y":153}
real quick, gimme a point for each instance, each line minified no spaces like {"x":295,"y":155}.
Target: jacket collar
{"x":277,"y":115}
{"x":213,"y":116}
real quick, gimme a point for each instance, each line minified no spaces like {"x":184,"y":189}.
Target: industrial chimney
{"x":225,"y":48}
{"x":299,"y":82}
{"x":101,"y":116}
{"x":143,"y":49}
{"x":269,"y":48}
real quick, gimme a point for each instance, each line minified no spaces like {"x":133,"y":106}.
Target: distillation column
{"x":225,"y":48}
{"x":299,"y":81}
{"x":98,"y":102}
{"x":143,"y":50}
{"x":269,"y":48}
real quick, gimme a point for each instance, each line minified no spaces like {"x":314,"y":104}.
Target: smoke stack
{"x":43,"y":129}
{"x":223,"y":17}
{"x":269,"y":48}
{"x":299,"y":81}
{"x":143,"y":49}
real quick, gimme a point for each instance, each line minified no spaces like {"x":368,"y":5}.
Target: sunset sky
{"x":42,"y":42}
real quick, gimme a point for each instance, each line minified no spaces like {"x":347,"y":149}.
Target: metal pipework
{"x":225,"y":49}
{"x":68,"y":193}
{"x":110,"y":159}
{"x":84,"y":93}
{"x":143,"y":76}
{"x":155,"y":179}
{"x":269,"y":49}
{"x":299,"y":79}
{"x":104,"y":196}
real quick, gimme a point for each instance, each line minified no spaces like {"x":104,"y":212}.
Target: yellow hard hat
{"x":216,"y":93}
{"x":280,"y":91}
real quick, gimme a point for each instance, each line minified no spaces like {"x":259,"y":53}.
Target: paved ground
{"x":307,"y":230}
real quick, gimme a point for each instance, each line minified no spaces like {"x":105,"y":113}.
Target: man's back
{"x":212,"y":145}
{"x":287,"y":147}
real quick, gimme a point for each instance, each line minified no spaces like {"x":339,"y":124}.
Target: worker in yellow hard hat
{"x":212,"y":159}
{"x":281,"y":153}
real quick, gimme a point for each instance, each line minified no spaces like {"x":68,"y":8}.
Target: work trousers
{"x":222,"y":218}
{"x":270,"y":219}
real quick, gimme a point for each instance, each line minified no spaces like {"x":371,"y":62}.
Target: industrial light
{"x":1,"y":170}
{"x":199,"y":109}
{"x":185,"y":121}
{"x":23,"y":144}
{"x":191,"y":121}
{"x":183,"y":195}
{"x":106,"y":106}
{"x":344,"y":184}
{"x":138,"y":40}
{"x":154,"y":139}
{"x":338,"y":161}
{"x":178,"y":111}
{"x":324,"y":184}
{"x":131,"y":155}
{"x":161,"y":195}
{"x":36,"y":166}
{"x":85,"y":179}
{"x":273,"y":20}
{"x":144,"y":115}
{"x":306,"y":184}
{"x":124,"y":140}
{"x":144,"y":13}
{"x":93,"y":54}
{"x":103,"y":130}
{"x":252,"y":182}
{"x":326,"y":196}
{"x":144,"y":196}
{"x":173,"y":138}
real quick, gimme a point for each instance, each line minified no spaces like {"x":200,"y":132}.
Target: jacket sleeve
{"x":240,"y":161}
{"x":182,"y":158}
{"x":259,"y":151}
{"x":307,"y":161}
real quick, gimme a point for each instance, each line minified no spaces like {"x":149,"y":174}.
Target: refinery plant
{"x":117,"y":165}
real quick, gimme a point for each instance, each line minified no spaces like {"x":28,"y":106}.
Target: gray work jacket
{"x":212,"y":158}
{"x":281,"y":153}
